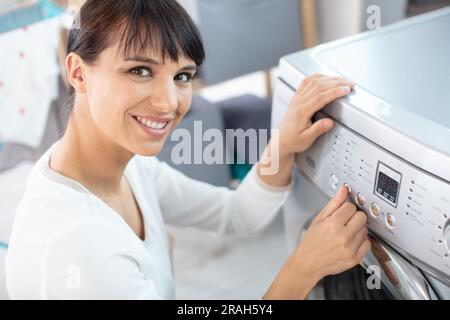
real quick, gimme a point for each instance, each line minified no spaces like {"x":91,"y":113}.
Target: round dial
{"x":447,"y":236}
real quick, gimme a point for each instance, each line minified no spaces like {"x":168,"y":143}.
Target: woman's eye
{"x":141,"y":72}
{"x":184,"y":77}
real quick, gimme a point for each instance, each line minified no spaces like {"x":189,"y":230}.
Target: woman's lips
{"x":154,"y":127}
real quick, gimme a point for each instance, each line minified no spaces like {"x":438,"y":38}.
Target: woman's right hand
{"x":336,"y":241}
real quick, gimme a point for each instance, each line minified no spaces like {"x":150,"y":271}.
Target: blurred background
{"x":244,"y":41}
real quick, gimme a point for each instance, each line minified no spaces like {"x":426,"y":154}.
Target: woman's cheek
{"x":185,"y":102}
{"x":107,"y":111}
{"x":185,"y":109}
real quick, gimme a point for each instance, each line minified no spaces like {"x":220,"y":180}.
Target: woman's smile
{"x":153,"y":126}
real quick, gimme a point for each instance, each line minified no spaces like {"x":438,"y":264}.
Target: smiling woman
{"x":130,"y":64}
{"x":91,"y":222}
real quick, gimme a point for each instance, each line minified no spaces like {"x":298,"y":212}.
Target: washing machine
{"x":391,"y":145}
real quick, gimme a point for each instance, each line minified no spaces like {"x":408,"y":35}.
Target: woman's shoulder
{"x":44,"y":197}
{"x":54,"y":240}
{"x":47,"y":207}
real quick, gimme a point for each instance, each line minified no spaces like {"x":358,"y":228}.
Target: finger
{"x":310,"y":81}
{"x":318,"y":75}
{"x":321,"y":84}
{"x":334,"y":204}
{"x":363,"y":251}
{"x":317,"y":129}
{"x":350,"y":83}
{"x":359,"y":238}
{"x":355,"y":223}
{"x":335,"y":83}
{"x":344,"y":213}
{"x":320,"y":100}
{"x":325,"y":84}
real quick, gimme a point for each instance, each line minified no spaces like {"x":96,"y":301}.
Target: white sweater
{"x":69,"y":244}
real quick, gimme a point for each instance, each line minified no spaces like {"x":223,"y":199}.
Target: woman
{"x":91,"y":223}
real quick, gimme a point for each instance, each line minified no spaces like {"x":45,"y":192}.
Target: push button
{"x":374,"y":209}
{"x":447,"y":237}
{"x":348,"y":187}
{"x":390,"y":220}
{"x":334,"y":181}
{"x":360,"y":199}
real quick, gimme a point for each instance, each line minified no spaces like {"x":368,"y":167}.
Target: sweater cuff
{"x":269,"y":187}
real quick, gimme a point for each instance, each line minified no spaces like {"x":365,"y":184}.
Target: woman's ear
{"x":75,"y":68}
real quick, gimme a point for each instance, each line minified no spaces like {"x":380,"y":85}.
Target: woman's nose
{"x":164,"y":97}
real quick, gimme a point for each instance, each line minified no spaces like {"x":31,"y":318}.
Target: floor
{"x":233,"y":268}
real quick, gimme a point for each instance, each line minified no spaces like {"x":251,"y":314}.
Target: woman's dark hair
{"x":162,"y":26}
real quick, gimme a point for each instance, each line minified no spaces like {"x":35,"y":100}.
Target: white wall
{"x":337,"y":19}
{"x":340,"y":18}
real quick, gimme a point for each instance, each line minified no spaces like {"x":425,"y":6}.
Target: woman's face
{"x":136,"y":101}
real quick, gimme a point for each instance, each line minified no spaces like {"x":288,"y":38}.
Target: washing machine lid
{"x":402,"y":95}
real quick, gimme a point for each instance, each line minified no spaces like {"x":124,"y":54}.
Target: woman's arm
{"x":187,"y":202}
{"x":335,"y":241}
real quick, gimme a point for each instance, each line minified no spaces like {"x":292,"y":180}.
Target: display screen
{"x":388,"y":184}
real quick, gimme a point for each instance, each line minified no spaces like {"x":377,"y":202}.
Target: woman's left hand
{"x":297,"y":132}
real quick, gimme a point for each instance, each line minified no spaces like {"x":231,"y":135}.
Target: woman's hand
{"x":297,"y":132}
{"x":336,"y":241}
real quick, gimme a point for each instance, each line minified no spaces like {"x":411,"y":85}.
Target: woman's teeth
{"x":152,"y":124}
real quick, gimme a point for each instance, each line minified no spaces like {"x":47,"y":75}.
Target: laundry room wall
{"x":340,"y":18}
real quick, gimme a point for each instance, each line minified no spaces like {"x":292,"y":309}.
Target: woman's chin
{"x":150,"y":150}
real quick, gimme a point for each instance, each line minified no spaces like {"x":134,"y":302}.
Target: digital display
{"x":388,"y":184}
{"x":387,"y":187}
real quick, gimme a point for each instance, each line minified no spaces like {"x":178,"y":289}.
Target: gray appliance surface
{"x":391,"y":141}
{"x":401,"y":74}
{"x":405,"y":67}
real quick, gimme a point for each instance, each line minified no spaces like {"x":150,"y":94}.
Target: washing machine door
{"x":383,"y":275}
{"x":398,"y":277}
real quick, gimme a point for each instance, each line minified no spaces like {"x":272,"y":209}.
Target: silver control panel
{"x":407,"y":207}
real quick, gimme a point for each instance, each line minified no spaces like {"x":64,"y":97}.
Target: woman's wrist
{"x":275,"y":166}
{"x":306,"y":272}
{"x":294,"y":282}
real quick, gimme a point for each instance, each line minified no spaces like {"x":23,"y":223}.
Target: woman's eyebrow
{"x":191,"y":67}
{"x":143,"y":59}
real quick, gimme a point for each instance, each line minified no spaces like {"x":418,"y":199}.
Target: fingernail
{"x":349,"y":189}
{"x":345,"y":89}
{"x":328,"y":124}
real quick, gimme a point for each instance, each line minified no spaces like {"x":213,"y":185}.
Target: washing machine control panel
{"x":407,"y":207}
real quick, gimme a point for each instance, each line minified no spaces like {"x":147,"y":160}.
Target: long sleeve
{"x":188,"y":202}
